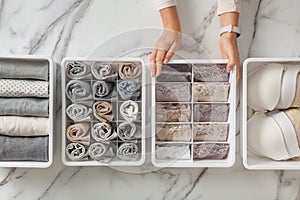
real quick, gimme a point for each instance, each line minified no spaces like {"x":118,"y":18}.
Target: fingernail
{"x":166,"y":61}
{"x":152,"y":74}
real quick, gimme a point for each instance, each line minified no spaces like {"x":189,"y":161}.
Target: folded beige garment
{"x":294,"y":115}
{"x":211,"y":132}
{"x":173,"y":132}
{"x":211,"y":91}
{"x":296,"y":102}
{"x":24,"y":126}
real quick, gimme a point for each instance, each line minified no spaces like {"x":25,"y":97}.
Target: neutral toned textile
{"x":172,"y":92}
{"x":210,"y":151}
{"x":128,"y":151}
{"x":206,"y":112}
{"x":173,"y":112}
{"x":78,"y":91}
{"x":79,"y":112}
{"x":173,"y":132}
{"x":104,"y":72}
{"x":102,"y":132}
{"x":103,"y":111}
{"x":79,"y":133}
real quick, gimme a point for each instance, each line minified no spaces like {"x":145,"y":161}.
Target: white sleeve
{"x":161,"y":4}
{"x":225,"y":6}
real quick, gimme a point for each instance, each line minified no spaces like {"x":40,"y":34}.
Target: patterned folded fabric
{"x":102,"y":152}
{"x":128,"y":131}
{"x":128,"y":89}
{"x":79,"y":112}
{"x":103,"y":111}
{"x":211,"y":92}
{"x":129,"y":110}
{"x":128,"y":151}
{"x":210,"y":73}
{"x":76,"y":152}
{"x":104,"y":72}
{"x":79,"y":133}
{"x":24,"y":69}
{"x":173,"y":152}
{"x":78,"y":91}
{"x":206,"y":112}
{"x":173,"y":92}
{"x":211,"y":132}
{"x":104,"y":90}
{"x":78,"y":70}
{"x":103,"y":132}
{"x":175,"y":73}
{"x":174,"y":132}
{"x":24,"y":148}
{"x":296,"y":102}
{"x":130,"y":71}
{"x":24,"y":107}
{"x":173,"y":112}
{"x":210,"y":151}
{"x":24,"y":126}
{"x":23,"y":88}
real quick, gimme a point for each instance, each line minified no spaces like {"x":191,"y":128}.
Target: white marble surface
{"x":98,"y":27}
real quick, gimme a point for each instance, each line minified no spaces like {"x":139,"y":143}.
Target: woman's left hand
{"x":229,"y":50}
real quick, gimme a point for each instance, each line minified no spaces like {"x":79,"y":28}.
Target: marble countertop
{"x":270,"y":28}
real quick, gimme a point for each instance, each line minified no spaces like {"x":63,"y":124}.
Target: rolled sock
{"x":128,"y":151}
{"x":128,"y":131}
{"x":103,"y":111}
{"x":76,"y":152}
{"x":102,"y":152}
{"x":128,"y":89}
{"x":78,"y":70}
{"x":79,"y":133}
{"x":103,"y":132}
{"x":79,"y":112}
{"x":23,"y":88}
{"x":104,"y":72}
{"x":24,"y":148}
{"x":104,"y":90}
{"x":78,"y":91}
{"x":130,"y":71}
{"x":129,"y":110}
{"x":24,"y":126}
{"x":24,"y":69}
{"x":24,"y":107}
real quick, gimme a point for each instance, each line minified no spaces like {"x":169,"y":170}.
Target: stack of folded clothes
{"x":103,"y":111}
{"x":192,"y":109}
{"x":24,"y":110}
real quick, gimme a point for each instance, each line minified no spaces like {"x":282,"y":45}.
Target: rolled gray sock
{"x":78,"y":70}
{"x":24,"y":148}
{"x":24,"y":69}
{"x":24,"y":106}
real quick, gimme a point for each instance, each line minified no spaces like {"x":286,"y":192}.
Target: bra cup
{"x":265,"y":138}
{"x":264,"y":87}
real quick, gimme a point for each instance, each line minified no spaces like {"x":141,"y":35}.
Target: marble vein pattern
{"x":91,"y":28}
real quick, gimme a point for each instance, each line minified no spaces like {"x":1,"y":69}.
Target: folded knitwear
{"x":24,"y":126}
{"x":23,"y":88}
{"x":38,"y":107}
{"x":24,"y":69}
{"x":173,"y":132}
{"x":211,"y":91}
{"x":211,"y":132}
{"x":24,"y":148}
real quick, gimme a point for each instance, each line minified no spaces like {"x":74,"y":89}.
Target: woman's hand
{"x":229,"y":50}
{"x":164,"y":50}
{"x":169,"y":41}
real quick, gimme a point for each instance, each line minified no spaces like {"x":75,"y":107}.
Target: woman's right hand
{"x":164,"y":50}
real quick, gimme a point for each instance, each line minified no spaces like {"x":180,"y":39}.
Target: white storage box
{"x":115,"y":101}
{"x":51,"y":108}
{"x":163,"y":149}
{"x":250,"y":160}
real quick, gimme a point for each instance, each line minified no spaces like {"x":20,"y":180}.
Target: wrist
{"x":229,"y":35}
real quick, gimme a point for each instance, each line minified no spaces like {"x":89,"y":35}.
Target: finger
{"x":170,"y":53}
{"x":230,"y":65}
{"x":159,"y":61}
{"x":237,"y":71}
{"x":152,"y":62}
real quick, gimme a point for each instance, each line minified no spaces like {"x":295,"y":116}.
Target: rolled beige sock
{"x":294,"y":115}
{"x":296,"y":102}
